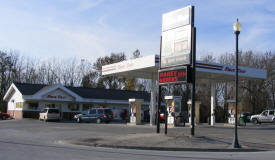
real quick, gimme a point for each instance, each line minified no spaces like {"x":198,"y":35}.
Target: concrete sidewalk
{"x":177,"y":139}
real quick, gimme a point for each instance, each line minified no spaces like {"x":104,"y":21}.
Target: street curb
{"x":163,"y":148}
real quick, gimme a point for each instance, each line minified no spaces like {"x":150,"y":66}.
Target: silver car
{"x":49,"y":114}
{"x":267,"y":116}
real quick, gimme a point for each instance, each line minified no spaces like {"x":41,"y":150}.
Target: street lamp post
{"x":237,"y":29}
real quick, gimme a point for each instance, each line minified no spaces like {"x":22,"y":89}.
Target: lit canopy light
{"x":237,"y":27}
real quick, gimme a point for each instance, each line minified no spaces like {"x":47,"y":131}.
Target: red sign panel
{"x":173,"y":76}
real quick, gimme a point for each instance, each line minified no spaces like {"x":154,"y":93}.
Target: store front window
{"x":50,"y":105}
{"x":73,"y":107}
{"x":19,"y":104}
{"x":87,"y":107}
{"x":32,"y":106}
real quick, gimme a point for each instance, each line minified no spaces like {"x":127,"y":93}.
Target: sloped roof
{"x":100,"y":93}
{"x":92,"y":93}
{"x":29,"y":89}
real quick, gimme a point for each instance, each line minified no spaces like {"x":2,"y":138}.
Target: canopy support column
{"x":213,"y":102}
{"x":153,"y":99}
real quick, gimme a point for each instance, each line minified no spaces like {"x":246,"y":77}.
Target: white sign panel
{"x":222,"y":69}
{"x":147,"y":65}
{"x":177,"y":18}
{"x":176,"y":38}
{"x":176,"y":47}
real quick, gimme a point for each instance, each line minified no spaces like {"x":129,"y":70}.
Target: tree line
{"x":68,"y":72}
{"x":255,"y":95}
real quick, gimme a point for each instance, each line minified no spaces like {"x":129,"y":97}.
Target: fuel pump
{"x":231,"y":111}
{"x":173,"y":107}
{"x":135,"y":111}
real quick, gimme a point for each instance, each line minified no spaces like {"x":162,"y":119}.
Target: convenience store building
{"x":27,"y":100}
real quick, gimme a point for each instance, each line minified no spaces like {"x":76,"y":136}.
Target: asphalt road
{"x":31,"y":139}
{"x":26,"y":151}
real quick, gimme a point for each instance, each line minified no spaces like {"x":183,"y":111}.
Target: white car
{"x":267,"y":116}
{"x":50,"y":114}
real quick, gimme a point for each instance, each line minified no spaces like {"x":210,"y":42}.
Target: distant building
{"x":27,"y":100}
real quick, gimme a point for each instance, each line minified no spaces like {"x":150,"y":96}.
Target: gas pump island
{"x":135,"y":111}
{"x":173,"y":110}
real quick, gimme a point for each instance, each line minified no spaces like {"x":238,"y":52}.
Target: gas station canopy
{"x":144,"y":67}
{"x":147,"y":66}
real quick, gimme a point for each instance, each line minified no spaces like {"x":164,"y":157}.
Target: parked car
{"x":96,"y":114}
{"x":49,"y":114}
{"x":4,"y":116}
{"x":161,"y":117}
{"x":267,"y":116}
{"x":162,"y":114}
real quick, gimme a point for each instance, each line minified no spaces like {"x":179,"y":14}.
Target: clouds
{"x":93,"y":28}
{"x":90,"y":43}
{"x":83,"y":5}
{"x":214,"y":20}
{"x":78,"y":43}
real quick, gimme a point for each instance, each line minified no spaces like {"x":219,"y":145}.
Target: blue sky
{"x":88,"y":29}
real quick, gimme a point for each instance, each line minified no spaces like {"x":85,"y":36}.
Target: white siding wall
{"x":16,"y":97}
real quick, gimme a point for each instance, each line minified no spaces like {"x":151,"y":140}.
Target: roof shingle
{"x":92,"y":93}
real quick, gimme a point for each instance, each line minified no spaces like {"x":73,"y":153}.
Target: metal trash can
{"x":242,"y":121}
{"x":179,"y":121}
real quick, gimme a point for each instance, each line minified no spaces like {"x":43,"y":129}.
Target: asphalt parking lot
{"x":115,"y":134}
{"x":48,"y":132}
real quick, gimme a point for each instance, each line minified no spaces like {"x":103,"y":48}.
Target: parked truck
{"x":267,"y":116}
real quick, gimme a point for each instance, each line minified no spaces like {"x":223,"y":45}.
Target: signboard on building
{"x":176,"y":37}
{"x":58,"y":95}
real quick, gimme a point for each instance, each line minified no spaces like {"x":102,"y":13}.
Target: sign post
{"x":159,"y":95}
{"x":178,"y":53}
{"x":193,"y":81}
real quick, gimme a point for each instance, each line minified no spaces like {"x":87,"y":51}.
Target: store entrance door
{"x":59,"y":106}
